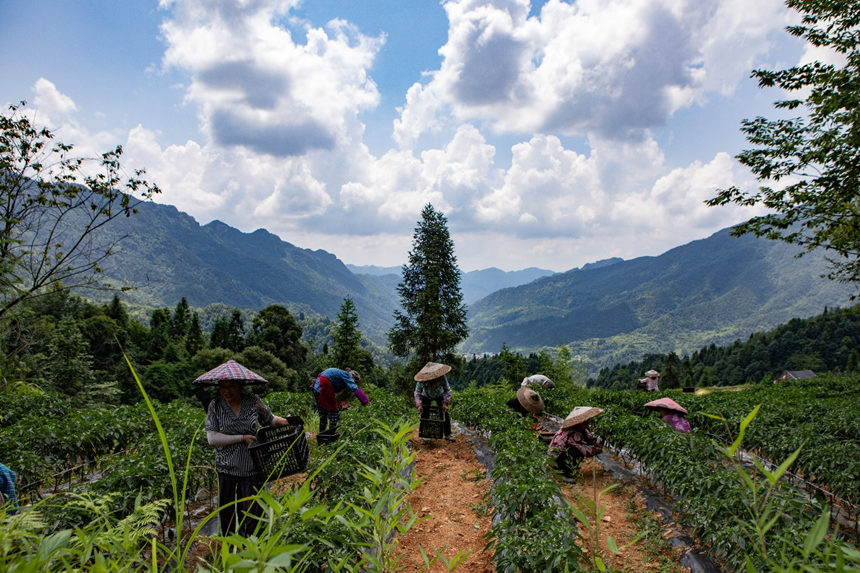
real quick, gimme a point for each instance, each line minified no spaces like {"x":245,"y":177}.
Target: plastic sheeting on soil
{"x":691,"y":557}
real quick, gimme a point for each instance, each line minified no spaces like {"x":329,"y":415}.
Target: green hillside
{"x":708,"y":291}
{"x":165,"y":255}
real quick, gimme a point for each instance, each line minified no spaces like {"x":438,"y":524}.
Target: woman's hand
{"x":248,"y":438}
{"x":420,"y":409}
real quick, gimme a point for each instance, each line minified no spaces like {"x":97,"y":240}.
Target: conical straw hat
{"x":667,"y":403}
{"x":230,"y":370}
{"x":580,"y":414}
{"x":431,"y":371}
{"x":530,"y":400}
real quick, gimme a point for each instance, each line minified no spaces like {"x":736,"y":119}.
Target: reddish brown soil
{"x":451,"y":503}
{"x":618,"y":521}
{"x":450,"y":500}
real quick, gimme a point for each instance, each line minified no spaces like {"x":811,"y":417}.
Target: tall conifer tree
{"x":433,"y":317}
{"x":346,"y":337}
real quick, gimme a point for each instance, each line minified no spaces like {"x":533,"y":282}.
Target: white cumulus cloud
{"x":256,"y":87}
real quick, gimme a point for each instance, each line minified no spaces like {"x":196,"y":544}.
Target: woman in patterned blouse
{"x":232,"y":421}
{"x":574,"y":441}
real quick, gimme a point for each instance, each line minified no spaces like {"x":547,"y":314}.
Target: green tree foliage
{"x":818,"y":153}
{"x":280,"y":376}
{"x":563,"y":370}
{"x":433,"y":320}
{"x":823,"y":343}
{"x":180,"y":321}
{"x":853,"y":363}
{"x":477,"y":371}
{"x":275,"y":330}
{"x":670,"y":377}
{"x":117,"y":312}
{"x":687,"y":372}
{"x":68,"y":363}
{"x":194,"y":339}
{"x":229,"y":333}
{"x":51,"y":212}
{"x":513,"y":366}
{"x":166,"y":379}
{"x":159,"y":334}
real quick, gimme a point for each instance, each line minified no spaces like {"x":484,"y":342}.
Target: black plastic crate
{"x":432,"y":423}
{"x":280,"y":452}
{"x":328,"y":437}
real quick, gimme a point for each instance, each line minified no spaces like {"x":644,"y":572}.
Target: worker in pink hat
{"x":673,"y":414}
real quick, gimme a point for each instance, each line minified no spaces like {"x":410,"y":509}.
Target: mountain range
{"x":712,"y":290}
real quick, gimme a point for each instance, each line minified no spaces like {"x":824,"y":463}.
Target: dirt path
{"x":623,"y":517}
{"x":450,"y":499}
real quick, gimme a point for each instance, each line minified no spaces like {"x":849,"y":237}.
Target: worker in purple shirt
{"x":673,"y":414}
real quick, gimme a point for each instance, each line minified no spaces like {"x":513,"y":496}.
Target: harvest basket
{"x":432,"y":422}
{"x":280,"y":452}
{"x":327,"y":437}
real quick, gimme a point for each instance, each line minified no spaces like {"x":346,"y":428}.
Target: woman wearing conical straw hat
{"x":232,"y":420}
{"x":432,"y":386}
{"x":574,"y":441}
{"x":651,"y":382}
{"x":673,"y":414}
{"x":526,"y":402}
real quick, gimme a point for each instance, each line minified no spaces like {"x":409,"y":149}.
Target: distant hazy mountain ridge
{"x":474,"y":284}
{"x":167,"y":255}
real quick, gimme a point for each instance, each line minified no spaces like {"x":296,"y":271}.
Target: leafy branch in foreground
{"x":52,"y":206}
{"x":818,"y":154}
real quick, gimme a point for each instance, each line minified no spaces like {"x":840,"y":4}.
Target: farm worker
{"x":232,"y":421}
{"x":526,"y":402}
{"x":7,"y":490}
{"x":573,"y":441}
{"x":432,"y":386}
{"x":537,"y":380}
{"x":650,"y":382}
{"x":330,"y":388}
{"x":673,"y":413}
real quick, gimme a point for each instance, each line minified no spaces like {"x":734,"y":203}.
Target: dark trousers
{"x":568,"y":461}
{"x":328,"y":418}
{"x":239,"y":517}
{"x":446,"y":423}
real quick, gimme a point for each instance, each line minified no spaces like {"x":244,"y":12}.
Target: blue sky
{"x":550,"y":134}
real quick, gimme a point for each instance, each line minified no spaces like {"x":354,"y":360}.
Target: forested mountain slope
{"x":829,"y":342}
{"x":166,"y":255}
{"x":709,"y":291}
